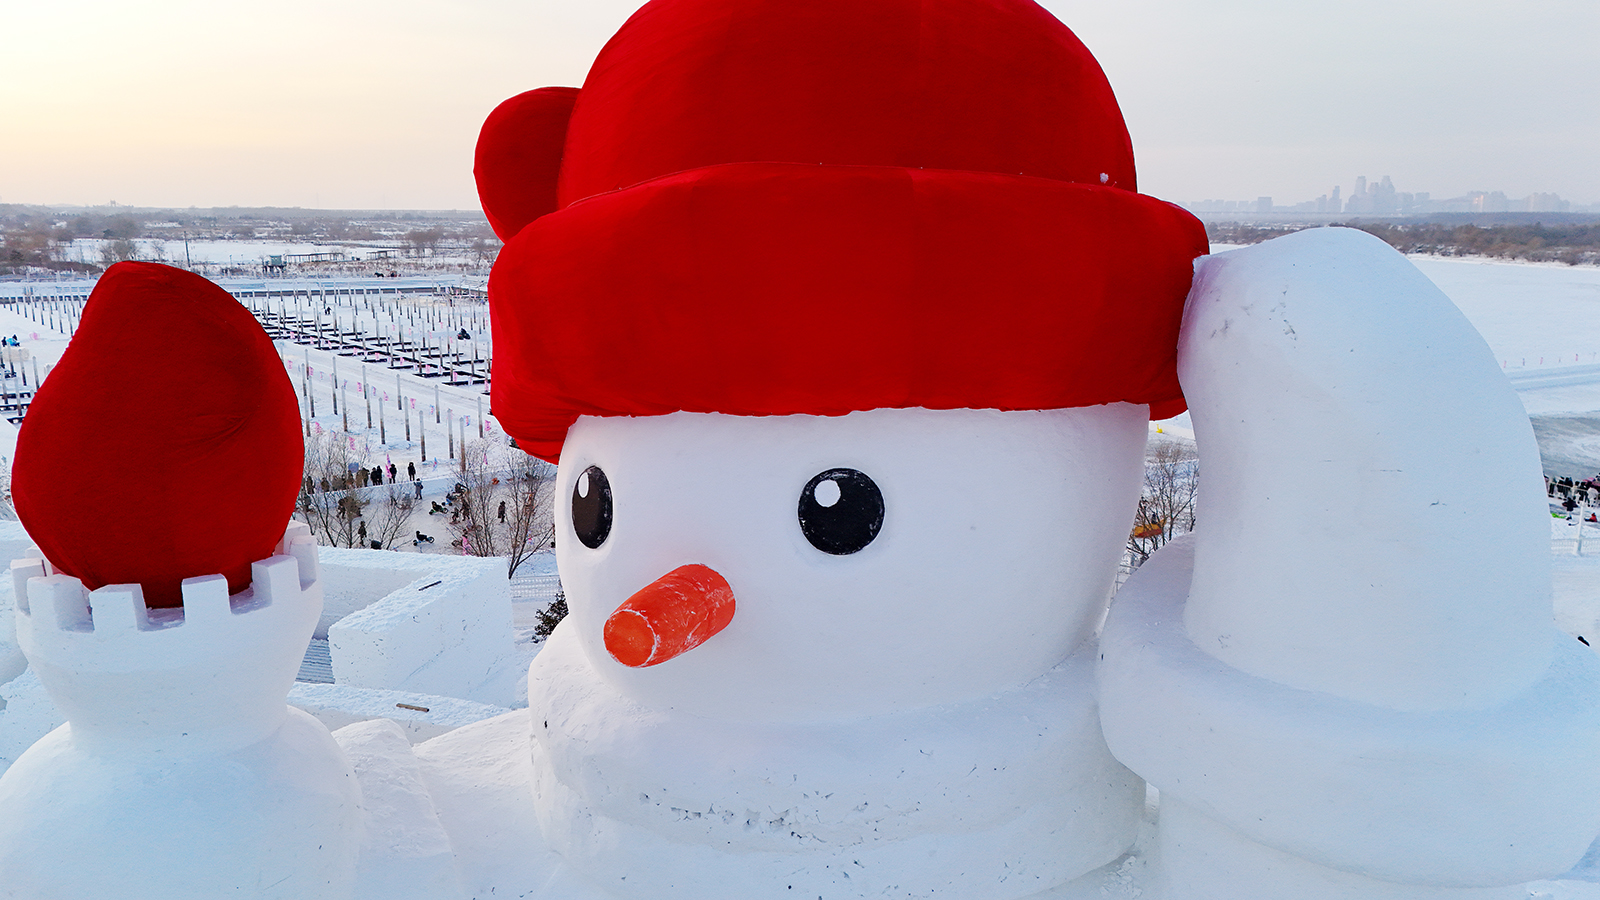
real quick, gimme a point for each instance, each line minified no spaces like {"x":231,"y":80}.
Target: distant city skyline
{"x":1380,"y":197}
{"x":367,"y":104}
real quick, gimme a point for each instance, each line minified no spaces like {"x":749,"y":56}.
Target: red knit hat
{"x":115,"y":439}
{"x":761,"y":207}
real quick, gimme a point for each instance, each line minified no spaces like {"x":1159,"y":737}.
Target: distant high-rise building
{"x":1494,"y":201}
{"x":1334,"y":203}
{"x":1377,"y":197}
{"x":1545,"y":203}
{"x":1384,"y":200}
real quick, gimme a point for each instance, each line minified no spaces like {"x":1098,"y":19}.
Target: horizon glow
{"x":368,"y":105}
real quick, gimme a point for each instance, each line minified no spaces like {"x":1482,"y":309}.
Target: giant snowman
{"x":845,"y":323}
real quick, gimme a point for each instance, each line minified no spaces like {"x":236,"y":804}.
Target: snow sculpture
{"x":1381,"y":706}
{"x":844,"y":321}
{"x":181,"y":769}
{"x":170,"y":644}
{"x":768,"y":295}
{"x":447,"y":631}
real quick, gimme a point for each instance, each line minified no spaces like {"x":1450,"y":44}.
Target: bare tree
{"x":484,"y":250}
{"x":1166,"y":506}
{"x":334,"y":515}
{"x":329,"y":501}
{"x":530,"y":499}
{"x":340,"y":507}
{"x":116,"y":250}
{"x":506,"y":507}
{"x":424,"y":240}
{"x":387,"y":516}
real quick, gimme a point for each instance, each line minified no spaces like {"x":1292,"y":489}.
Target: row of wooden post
{"x":373,"y":306}
{"x":337,"y":390}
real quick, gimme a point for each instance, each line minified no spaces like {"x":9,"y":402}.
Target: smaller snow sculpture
{"x":181,"y":769}
{"x":1348,"y":684}
{"x":170,"y":643}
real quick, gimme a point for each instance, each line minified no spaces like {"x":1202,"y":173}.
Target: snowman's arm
{"x":1371,"y":517}
{"x":1349,"y":677}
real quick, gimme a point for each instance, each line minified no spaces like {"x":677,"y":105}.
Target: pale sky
{"x":368,"y":104}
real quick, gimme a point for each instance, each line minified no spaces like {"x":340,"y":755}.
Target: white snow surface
{"x":446,"y":630}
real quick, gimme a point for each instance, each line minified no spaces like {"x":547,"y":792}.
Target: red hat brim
{"x":777,"y":288}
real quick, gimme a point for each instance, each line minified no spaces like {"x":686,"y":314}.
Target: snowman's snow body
{"x":918,"y":713}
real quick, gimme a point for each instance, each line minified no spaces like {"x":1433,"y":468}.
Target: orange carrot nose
{"x":673,"y":614}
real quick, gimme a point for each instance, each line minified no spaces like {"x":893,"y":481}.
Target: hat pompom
{"x":518,"y":158}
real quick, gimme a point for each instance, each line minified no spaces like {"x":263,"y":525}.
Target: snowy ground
{"x":211,"y":257}
{"x":1534,"y":315}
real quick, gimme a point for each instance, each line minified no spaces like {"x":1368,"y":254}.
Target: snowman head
{"x":828,"y":233}
{"x":856,"y":564}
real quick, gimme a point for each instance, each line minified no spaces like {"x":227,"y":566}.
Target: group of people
{"x":359,"y":477}
{"x":449,"y":505}
{"x":376,"y":475}
{"x":1575,"y":493}
{"x":455,"y":503}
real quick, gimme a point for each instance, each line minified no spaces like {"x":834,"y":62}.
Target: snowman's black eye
{"x":591,"y":507}
{"x":841,"y":511}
